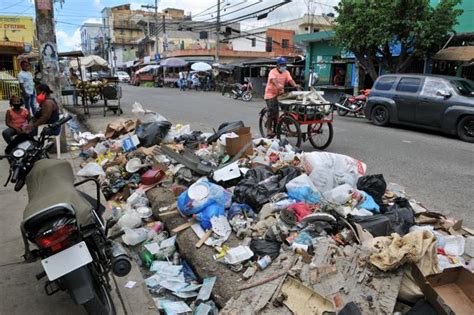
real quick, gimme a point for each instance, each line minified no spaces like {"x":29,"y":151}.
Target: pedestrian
{"x":277,"y":79}
{"x":16,"y":119}
{"x":181,"y":80}
{"x":48,"y":111}
{"x":27,"y":87}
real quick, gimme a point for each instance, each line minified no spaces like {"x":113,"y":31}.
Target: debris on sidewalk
{"x":305,"y":233}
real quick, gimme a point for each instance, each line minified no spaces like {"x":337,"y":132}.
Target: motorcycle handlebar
{"x":60,"y":122}
{"x":15,"y":175}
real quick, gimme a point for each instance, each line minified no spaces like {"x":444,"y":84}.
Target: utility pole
{"x":165,"y":38}
{"x":218,"y":29}
{"x":48,"y":51}
{"x":155,"y":7}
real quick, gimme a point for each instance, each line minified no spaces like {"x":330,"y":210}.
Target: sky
{"x":70,"y":14}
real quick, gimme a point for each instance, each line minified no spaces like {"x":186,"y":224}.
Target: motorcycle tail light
{"x":57,"y":238}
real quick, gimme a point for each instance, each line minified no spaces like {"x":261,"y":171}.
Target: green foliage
{"x":369,"y":27}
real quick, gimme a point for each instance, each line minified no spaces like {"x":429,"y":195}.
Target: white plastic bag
{"x":302,"y":188}
{"x":91,"y":169}
{"x":130,"y":219}
{"x":454,"y":245}
{"x":329,"y":170}
{"x":145,"y":115}
{"x":339,"y":195}
{"x":133,"y":237}
{"x":177,"y":131}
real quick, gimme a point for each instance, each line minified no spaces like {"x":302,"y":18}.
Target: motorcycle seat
{"x":50,"y":184}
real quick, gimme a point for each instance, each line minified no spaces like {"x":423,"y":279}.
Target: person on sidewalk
{"x":27,"y":87}
{"x":181,"y":80}
{"x":48,"y":111}
{"x":277,"y":79}
{"x":16,"y":119}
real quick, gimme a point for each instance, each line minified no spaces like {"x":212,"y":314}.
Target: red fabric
{"x":18,"y":119}
{"x":301,"y":210}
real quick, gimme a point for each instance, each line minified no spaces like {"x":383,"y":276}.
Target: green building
{"x":466,"y":20}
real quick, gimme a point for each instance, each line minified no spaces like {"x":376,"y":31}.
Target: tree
{"x":372,"y":28}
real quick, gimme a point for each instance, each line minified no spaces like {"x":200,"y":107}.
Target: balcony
{"x":125,"y":24}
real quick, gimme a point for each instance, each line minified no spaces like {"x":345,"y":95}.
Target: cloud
{"x":66,"y":42}
{"x":98,"y":4}
{"x":92,"y":20}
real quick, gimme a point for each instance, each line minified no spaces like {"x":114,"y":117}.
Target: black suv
{"x":430,"y":101}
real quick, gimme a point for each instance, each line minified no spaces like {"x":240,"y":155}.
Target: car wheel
{"x":465,"y":129}
{"x":380,"y":115}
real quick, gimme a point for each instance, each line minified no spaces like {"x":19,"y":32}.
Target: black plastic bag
{"x":375,"y":186}
{"x":260,"y":184}
{"x":398,"y":219}
{"x":226,"y":127}
{"x":152,"y":133}
{"x":263,"y":247}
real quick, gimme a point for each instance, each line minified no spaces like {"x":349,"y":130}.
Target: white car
{"x":123,"y":76}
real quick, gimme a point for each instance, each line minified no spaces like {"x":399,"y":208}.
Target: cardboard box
{"x":234,"y":145}
{"x":449,"y":292}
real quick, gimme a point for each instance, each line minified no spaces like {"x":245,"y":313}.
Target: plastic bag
{"x":374,"y":185}
{"x":302,"y":188}
{"x":145,"y":115}
{"x":339,"y":195}
{"x":329,"y":170}
{"x":368,"y":203}
{"x":91,"y":169}
{"x":152,"y":133}
{"x":133,"y":237}
{"x":216,"y":195}
{"x":130,"y":219}
{"x":263,"y":247}
{"x":177,"y":131}
{"x":213,"y":210}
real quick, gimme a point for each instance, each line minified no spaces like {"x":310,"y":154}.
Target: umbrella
{"x":92,"y":61}
{"x":201,"y":66}
{"x":173,"y":63}
{"x":147,"y":68}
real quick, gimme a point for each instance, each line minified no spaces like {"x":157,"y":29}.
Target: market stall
{"x":102,"y":93}
{"x":170,"y":65}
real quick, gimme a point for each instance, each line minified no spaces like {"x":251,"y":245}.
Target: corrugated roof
{"x":456,"y":53}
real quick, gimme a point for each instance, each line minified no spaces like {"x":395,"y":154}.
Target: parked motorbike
{"x":352,"y":104}
{"x":245,"y":91}
{"x":66,"y":228}
{"x":25,"y":150}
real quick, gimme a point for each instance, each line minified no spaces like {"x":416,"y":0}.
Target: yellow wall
{"x":17,"y":29}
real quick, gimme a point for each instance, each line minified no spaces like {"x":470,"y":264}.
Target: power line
{"x":12,"y":5}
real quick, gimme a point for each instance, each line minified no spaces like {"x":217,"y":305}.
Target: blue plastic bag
{"x":217,"y":195}
{"x":239,"y":208}
{"x":369,"y":203}
{"x":204,"y":217}
{"x":302,"y":189}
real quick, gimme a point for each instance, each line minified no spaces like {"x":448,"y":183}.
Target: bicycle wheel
{"x":289,"y":128}
{"x":320,"y":135}
{"x":262,"y":122}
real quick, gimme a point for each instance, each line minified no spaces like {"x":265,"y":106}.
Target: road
{"x":436,"y":169}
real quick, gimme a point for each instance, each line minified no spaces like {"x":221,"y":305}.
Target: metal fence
{"x":9,"y":84}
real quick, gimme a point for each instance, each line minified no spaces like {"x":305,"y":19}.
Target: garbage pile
{"x":310,"y":232}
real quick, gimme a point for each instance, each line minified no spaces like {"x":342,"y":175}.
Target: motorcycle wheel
{"x":262,"y":122}
{"x":101,"y":304}
{"x":247,"y":96}
{"x":19,"y":184}
{"x":235,"y":96}
{"x":342,"y":111}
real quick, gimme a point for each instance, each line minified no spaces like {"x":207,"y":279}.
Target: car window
{"x":385,"y":83}
{"x":463,"y":87}
{"x":410,"y":85}
{"x":433,"y":85}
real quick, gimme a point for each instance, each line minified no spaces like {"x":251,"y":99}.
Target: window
{"x":433,"y":85}
{"x":269,"y":46}
{"x":464,"y":87}
{"x":254,"y":42}
{"x":306,"y":28}
{"x":315,"y":30}
{"x":385,"y":83}
{"x":410,"y":85}
{"x":285,"y":43}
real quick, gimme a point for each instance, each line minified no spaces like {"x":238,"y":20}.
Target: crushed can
{"x":264,"y":262}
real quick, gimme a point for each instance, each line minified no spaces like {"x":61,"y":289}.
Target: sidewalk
{"x":20,"y":291}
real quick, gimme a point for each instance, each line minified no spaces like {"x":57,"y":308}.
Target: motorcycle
{"x":66,"y":228}
{"x":352,"y":104}
{"x":243,"y":90}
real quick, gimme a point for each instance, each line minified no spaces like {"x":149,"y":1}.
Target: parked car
{"x":123,"y":76}
{"x":430,"y":101}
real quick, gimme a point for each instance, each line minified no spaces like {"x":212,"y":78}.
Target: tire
{"x":262,"y":122}
{"x":101,"y":304}
{"x":289,"y":128}
{"x":465,"y":129}
{"x":19,"y":184}
{"x":234,"y":96}
{"x":341,"y":112}
{"x":380,"y":115}
{"x":247,"y":96}
{"x":319,"y":136}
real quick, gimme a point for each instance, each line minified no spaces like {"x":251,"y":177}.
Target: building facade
{"x":17,"y":36}
{"x":91,"y":38}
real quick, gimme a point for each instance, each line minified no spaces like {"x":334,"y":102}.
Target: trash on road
{"x":305,"y":232}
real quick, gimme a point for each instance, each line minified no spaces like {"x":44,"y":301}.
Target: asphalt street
{"x":436,"y":169}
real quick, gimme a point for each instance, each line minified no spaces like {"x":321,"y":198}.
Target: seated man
{"x":16,"y":119}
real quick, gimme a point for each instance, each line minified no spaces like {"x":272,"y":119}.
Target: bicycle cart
{"x":300,"y":109}
{"x":112,"y":93}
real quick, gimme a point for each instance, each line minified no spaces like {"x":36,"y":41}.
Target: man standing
{"x":27,"y":87}
{"x":277,"y":79}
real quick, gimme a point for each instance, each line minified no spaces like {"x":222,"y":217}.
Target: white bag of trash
{"x":339,"y":195}
{"x":91,"y":169}
{"x":177,"y":131}
{"x":329,"y":170}
{"x":145,"y":115}
{"x":130,"y":219}
{"x":133,"y":237}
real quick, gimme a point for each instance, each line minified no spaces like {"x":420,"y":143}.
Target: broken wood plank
{"x":183,"y":227}
{"x":204,"y":238}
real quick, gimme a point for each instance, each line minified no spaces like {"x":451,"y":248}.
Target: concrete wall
{"x":245,"y":44}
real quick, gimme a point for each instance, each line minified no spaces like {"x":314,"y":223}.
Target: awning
{"x":456,"y":53}
{"x":92,"y":61}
